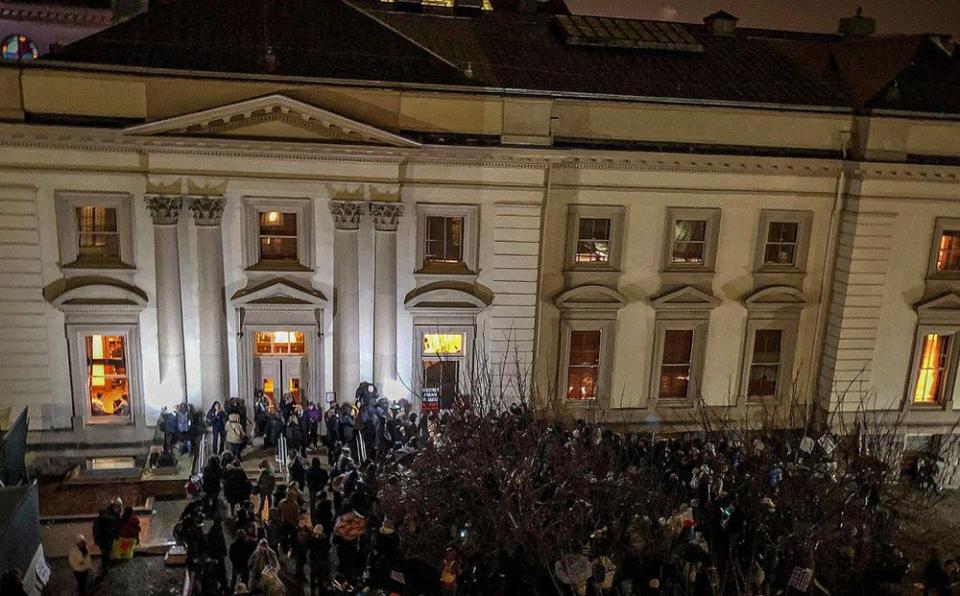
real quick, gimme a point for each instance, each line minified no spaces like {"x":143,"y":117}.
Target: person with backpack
{"x":236,"y":486}
{"x":236,"y":435}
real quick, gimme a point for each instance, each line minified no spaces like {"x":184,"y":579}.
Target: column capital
{"x":346,"y":214}
{"x":386,"y":215}
{"x":164,"y":209}
{"x":207,"y":211}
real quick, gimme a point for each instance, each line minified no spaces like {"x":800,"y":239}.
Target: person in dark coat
{"x":298,"y":472}
{"x":217,"y":422}
{"x":316,"y":482}
{"x":240,"y":552}
{"x":261,"y":409}
{"x":318,"y":549}
{"x":211,"y":478}
{"x":346,"y":429}
{"x":106,"y":529}
{"x":313,"y":416}
{"x":323,"y":514}
{"x":215,"y":571}
{"x":169,"y":420}
{"x":274,"y":430}
{"x":293,"y":435}
{"x":332,"y":440}
{"x":236,"y":486}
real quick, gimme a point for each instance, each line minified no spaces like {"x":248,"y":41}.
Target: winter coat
{"x":316,"y":479}
{"x":260,"y":560}
{"x":169,"y":422}
{"x":217,"y":420}
{"x":212,"y":476}
{"x":266,"y":482}
{"x":183,"y":420}
{"x":298,"y":473}
{"x":289,"y":510}
{"x":79,"y":561}
{"x":235,"y":431}
{"x":294,"y":436}
{"x":236,"y":486}
{"x":332,"y":428}
{"x":346,"y":428}
{"x":130,"y":528}
{"x":240,"y":552}
{"x":106,"y":527}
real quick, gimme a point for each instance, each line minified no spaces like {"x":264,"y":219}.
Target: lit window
{"x":781,"y":246}
{"x":932,"y":372}
{"x":442,"y":344}
{"x":278,"y":236}
{"x":444,"y":240}
{"x":676,"y":363}
{"x":583,"y":369}
{"x":97,"y":234}
{"x":765,"y":363}
{"x":279,"y":342}
{"x":18,"y":48}
{"x":593,"y":240}
{"x":689,"y":242}
{"x":106,"y":375}
{"x":948,"y":255}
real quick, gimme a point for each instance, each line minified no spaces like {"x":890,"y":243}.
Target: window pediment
{"x":687,"y":298}
{"x":273,"y":117}
{"x":279,"y":292}
{"x":591,"y":298}
{"x":942,"y":309}
{"x":93,"y":294}
{"x":448,"y":297}
{"x":775,"y":299}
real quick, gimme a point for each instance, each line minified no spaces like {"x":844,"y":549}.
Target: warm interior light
{"x":273,"y":216}
{"x":97,"y":375}
{"x":97,"y":347}
{"x":281,"y":337}
{"x":928,"y":378}
{"x":442,"y":343}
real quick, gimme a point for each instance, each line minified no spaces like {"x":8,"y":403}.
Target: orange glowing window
{"x":279,"y":342}
{"x":932,"y":373}
{"x":106,"y":370}
{"x":948,"y":257}
{"x":583,"y":369}
{"x":440,"y":344}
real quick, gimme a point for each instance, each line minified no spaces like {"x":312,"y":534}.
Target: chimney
{"x":857,"y":25}
{"x":721,"y":23}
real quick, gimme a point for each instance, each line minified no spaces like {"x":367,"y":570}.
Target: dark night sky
{"x":893,"y":16}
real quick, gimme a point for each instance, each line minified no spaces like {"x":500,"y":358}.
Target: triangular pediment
{"x":775,"y":297}
{"x":272,"y":118}
{"x":279,"y":292}
{"x":949,"y":302}
{"x":590,"y":297}
{"x":685,"y":298}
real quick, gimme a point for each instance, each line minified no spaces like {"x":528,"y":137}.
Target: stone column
{"x":386,"y":217}
{"x":207,"y":213}
{"x":165,"y":211}
{"x":346,"y":288}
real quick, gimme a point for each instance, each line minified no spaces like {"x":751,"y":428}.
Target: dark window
{"x":278,"y":236}
{"x":677,"y":363}
{"x":593,"y":240}
{"x":765,"y":363}
{"x":444,"y":240}
{"x":583,"y":369}
{"x":948,"y":257}
{"x":97,"y":234}
{"x":439,"y":384}
{"x":689,"y":242}
{"x":781,"y":247}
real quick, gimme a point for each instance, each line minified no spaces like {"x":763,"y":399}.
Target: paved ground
{"x":141,"y":576}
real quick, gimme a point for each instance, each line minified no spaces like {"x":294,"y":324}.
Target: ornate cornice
{"x":207,"y":211}
{"x":164,"y":209}
{"x":346,"y":214}
{"x":386,"y":216}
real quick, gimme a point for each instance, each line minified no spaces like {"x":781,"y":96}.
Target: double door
{"x":282,"y":375}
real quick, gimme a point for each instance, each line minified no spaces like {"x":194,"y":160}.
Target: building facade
{"x":625,"y":220}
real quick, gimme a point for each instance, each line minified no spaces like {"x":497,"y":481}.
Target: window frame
{"x":613,"y":213}
{"x":945,"y":402}
{"x":607,"y":329}
{"x":789,"y":329}
{"x":804,"y":221}
{"x":710,"y":215}
{"x":465,"y":358}
{"x":700,"y":328}
{"x":469,"y":240}
{"x":68,"y":228}
{"x":941,"y":225}
{"x":83,"y":411}
{"x":302,"y":208}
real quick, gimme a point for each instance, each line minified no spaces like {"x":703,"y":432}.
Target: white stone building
{"x":643,"y":216}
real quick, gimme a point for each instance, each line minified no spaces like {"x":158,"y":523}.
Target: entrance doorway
{"x":280,"y":359}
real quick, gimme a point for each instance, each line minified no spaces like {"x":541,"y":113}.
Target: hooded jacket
{"x":235,"y":431}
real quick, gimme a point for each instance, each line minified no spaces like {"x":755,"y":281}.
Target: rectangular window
{"x":106,"y":375}
{"x":439,"y":384}
{"x":765,"y":363}
{"x":279,"y":342}
{"x":278,"y":236}
{"x":932,"y":369}
{"x":948,"y":255}
{"x":689,"y":242}
{"x":677,"y":363}
{"x":593,"y":240}
{"x":583,"y":369}
{"x":444,"y":240}
{"x":97,"y":234}
{"x":435,"y":344}
{"x":781,"y":246}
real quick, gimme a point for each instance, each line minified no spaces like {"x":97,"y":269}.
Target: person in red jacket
{"x":129,"y":533}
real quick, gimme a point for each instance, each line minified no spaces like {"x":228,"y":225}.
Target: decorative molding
{"x":174,"y":187}
{"x":164,"y":209}
{"x":386,"y":216}
{"x":591,"y":298}
{"x":207,"y":211}
{"x":775,"y":298}
{"x":209,"y":190}
{"x":448,"y":298}
{"x":687,"y":298}
{"x":346,"y":214}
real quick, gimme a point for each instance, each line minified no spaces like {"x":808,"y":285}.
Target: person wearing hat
{"x":262,"y":558}
{"x":80,"y":562}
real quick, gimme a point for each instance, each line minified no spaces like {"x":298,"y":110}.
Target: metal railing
{"x":283,"y":459}
{"x":200,"y":459}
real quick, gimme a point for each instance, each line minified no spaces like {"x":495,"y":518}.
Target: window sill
{"x":433,"y":272}
{"x":580,"y":403}
{"x":280,"y":266}
{"x":108,"y":420}
{"x":673,"y":402}
{"x":98,"y":265}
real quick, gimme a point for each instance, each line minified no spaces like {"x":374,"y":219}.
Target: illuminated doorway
{"x":281,"y":359}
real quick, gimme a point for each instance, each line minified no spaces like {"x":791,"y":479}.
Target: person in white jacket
{"x":236,"y":435}
{"x":80,"y":562}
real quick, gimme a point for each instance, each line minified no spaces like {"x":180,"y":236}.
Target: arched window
{"x":17,"y":48}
